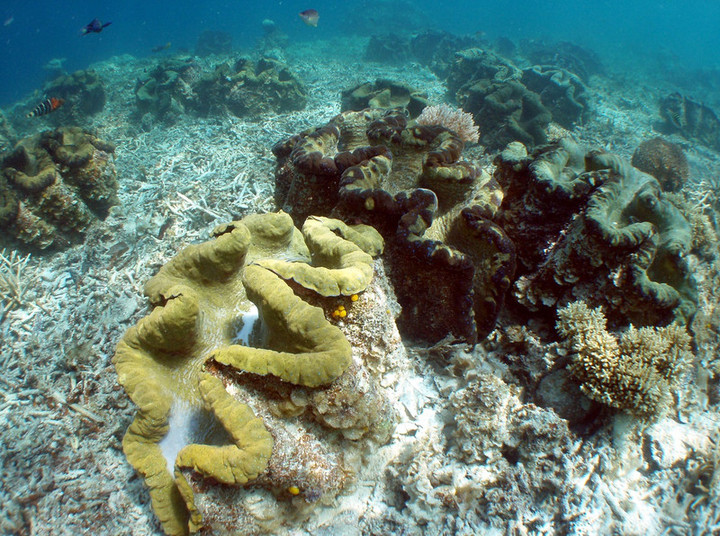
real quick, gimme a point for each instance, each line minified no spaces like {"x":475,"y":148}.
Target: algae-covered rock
{"x":663,"y":160}
{"x":54,"y":186}
{"x":201,"y":329}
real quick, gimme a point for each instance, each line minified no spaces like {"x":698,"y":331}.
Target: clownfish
{"x":310,"y":17}
{"x":46,"y":106}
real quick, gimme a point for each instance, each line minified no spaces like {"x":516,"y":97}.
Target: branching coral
{"x":636,"y":373}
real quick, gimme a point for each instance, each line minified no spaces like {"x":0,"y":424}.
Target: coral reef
{"x":432,"y":207}
{"x":663,"y":160}
{"x":213,"y":42}
{"x":505,"y":112}
{"x":384,"y":94}
{"x":568,"y":56}
{"x":249,"y":88}
{"x":561,"y":92}
{"x":54,"y":185}
{"x":637,"y":373}
{"x":388,"y":48}
{"x":84,"y":95}
{"x":614,"y":239}
{"x":201,"y":357}
{"x":167,"y":91}
{"x":692,"y":120}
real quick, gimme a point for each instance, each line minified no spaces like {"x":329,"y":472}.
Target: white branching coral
{"x":12,"y":283}
{"x":461,"y":123}
{"x":636,"y":372}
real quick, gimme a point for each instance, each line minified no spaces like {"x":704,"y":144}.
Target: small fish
{"x":310,"y":17}
{"x":9,"y":21}
{"x":160,"y":48}
{"x":94,"y":26}
{"x":46,"y":106}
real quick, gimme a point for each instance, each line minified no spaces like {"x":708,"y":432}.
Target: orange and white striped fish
{"x":46,"y":106}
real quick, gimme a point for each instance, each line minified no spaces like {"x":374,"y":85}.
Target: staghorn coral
{"x":663,"y":160}
{"x":433,"y":209}
{"x":190,"y":361}
{"x":637,"y":372}
{"x":618,"y":241}
{"x":384,"y":94}
{"x":54,"y":185}
{"x":457,"y":121}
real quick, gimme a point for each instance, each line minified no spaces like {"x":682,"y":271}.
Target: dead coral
{"x":635,"y":373}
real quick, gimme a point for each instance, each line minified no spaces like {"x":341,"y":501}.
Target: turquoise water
{"x":684,"y":33}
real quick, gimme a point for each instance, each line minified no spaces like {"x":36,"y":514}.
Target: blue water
{"x":684,"y":33}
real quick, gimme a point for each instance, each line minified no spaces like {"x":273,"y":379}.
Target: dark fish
{"x":160,"y":48}
{"x":95,"y":26}
{"x":46,"y":106}
{"x":310,"y":17}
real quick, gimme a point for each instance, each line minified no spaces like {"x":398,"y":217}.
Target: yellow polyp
{"x":294,"y":490}
{"x":343,"y":313}
{"x":354,"y":297}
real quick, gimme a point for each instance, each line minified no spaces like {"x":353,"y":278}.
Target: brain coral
{"x":200,"y":370}
{"x":611,"y":238}
{"x":449,"y":264}
{"x":54,"y":185}
{"x":663,"y":160}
